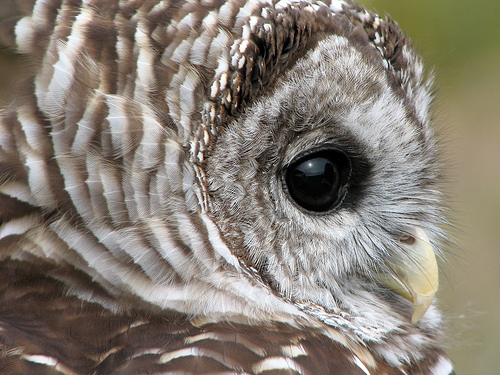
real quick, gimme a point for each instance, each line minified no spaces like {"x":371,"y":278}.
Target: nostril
{"x":407,"y":239}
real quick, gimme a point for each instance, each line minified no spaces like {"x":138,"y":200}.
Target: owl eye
{"x":317,"y":181}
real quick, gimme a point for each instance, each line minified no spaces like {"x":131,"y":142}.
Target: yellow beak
{"x":416,"y":277}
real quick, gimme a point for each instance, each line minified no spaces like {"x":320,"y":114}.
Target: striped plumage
{"x":144,"y":226}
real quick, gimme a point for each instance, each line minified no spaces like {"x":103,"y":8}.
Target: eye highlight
{"x":317,"y":181}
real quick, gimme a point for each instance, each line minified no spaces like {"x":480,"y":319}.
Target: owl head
{"x":323,"y":177}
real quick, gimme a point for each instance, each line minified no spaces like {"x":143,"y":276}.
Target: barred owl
{"x":209,"y":187}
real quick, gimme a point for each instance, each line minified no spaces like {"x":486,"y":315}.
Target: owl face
{"x":321,"y":183}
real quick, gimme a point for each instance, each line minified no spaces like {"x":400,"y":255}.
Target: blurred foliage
{"x":450,"y":33}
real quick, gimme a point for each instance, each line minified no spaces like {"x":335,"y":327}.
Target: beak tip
{"x":422,"y":304}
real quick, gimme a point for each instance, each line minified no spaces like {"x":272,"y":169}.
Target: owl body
{"x":218,"y":187}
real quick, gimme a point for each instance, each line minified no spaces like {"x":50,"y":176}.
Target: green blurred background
{"x":460,"y":39}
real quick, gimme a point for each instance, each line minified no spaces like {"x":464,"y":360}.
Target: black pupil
{"x":315,"y":181}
